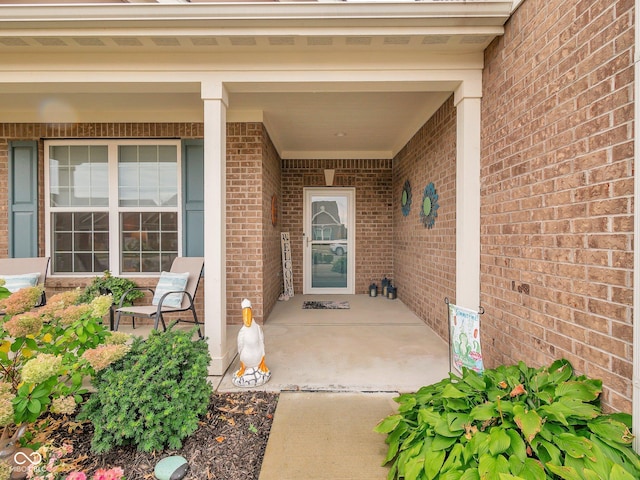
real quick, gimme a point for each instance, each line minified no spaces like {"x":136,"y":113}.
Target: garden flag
{"x":464,"y":326}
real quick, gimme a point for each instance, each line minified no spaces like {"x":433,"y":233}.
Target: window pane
{"x":130,"y":222}
{"x":83,"y":221}
{"x":169,"y":221}
{"x":83,"y":262}
{"x":101,"y":222}
{"x":63,"y":262}
{"x":82,"y":242}
{"x":169,"y":241}
{"x":101,"y":261}
{"x":101,"y":242}
{"x":151,"y":221}
{"x":150,"y":262}
{"x":152,"y":244}
{"x":130,"y":262}
{"x":63,"y":242}
{"x":167,"y":260}
{"x":77,"y":243}
{"x":130,"y":242}
{"x":148,"y":175}
{"x":78,"y":175}
{"x":63,"y":221}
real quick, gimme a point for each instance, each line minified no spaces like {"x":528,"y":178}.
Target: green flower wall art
{"x":405,"y":200}
{"x":429,"y":210}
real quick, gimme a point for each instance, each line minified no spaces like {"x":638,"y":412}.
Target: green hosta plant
{"x":154,"y":397}
{"x":512,"y":422}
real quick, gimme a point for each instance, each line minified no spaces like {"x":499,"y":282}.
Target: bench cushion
{"x":13,"y":283}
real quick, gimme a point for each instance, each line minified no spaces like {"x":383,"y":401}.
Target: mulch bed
{"x":229,"y":443}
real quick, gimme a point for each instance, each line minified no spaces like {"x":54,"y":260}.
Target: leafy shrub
{"x":42,"y":363}
{"x":340,"y":265}
{"x":320,"y":257}
{"x":154,"y":396}
{"x":512,"y":422}
{"x":107,"y":283}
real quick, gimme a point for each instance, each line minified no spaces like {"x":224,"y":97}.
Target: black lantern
{"x":384,"y":284}
{"x":373,"y":290}
{"x":392,"y":292}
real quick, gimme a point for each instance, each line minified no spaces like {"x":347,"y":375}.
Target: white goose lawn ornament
{"x":253,"y":371}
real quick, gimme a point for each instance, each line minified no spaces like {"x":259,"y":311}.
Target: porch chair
{"x":175,"y":292}
{"x":25,"y":272}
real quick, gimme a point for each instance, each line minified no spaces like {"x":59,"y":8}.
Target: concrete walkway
{"x":322,"y":362}
{"x":323,"y":435}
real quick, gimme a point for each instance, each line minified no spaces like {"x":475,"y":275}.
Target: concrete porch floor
{"x":377,"y":345}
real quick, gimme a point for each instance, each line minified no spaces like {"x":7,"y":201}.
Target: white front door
{"x":329,"y":240}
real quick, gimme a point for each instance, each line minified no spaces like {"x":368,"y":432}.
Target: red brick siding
{"x":373,"y":185}
{"x":4,"y":190}
{"x":271,"y":253}
{"x":557,"y":190}
{"x":425,"y":259}
{"x":244,"y":219}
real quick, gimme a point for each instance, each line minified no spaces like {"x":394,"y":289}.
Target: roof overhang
{"x":329,"y":79}
{"x":70,"y":25}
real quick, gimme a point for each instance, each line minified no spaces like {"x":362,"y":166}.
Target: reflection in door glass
{"x":329,"y":269}
{"x":329,"y":218}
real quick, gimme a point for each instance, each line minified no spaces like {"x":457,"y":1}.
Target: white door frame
{"x":350,"y":193}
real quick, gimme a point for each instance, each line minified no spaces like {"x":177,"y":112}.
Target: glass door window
{"x":328,"y":239}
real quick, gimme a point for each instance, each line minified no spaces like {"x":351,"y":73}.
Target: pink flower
{"x":104,"y":355}
{"x":76,"y":476}
{"x":23,"y":325}
{"x":21,"y":301}
{"x":113,"y":474}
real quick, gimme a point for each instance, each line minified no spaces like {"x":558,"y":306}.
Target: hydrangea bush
{"x":45,"y":353}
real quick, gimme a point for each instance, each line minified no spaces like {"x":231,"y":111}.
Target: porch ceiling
{"x":330,"y":118}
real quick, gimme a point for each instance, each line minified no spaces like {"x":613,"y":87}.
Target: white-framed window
{"x":112,"y":205}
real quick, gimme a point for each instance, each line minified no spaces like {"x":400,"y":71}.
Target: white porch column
{"x":467,"y":100}
{"x":215,"y":100}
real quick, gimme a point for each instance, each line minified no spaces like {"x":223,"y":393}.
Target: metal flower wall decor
{"x":430,"y":206}
{"x":405,"y":200}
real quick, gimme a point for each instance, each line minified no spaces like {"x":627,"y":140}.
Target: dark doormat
{"x":324,"y":305}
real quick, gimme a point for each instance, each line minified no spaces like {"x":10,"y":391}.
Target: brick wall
{"x":271,"y":254}
{"x":244,"y":219}
{"x":557,"y":190}
{"x":4,"y":200}
{"x":425,"y":259}
{"x":372,"y":181}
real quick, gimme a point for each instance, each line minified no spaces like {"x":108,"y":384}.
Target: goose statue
{"x":253,"y":371}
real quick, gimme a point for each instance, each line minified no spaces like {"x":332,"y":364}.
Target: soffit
{"x":326,"y":120}
{"x":216,"y":27}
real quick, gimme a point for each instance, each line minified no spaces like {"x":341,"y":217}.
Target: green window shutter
{"x":23,"y":199}
{"x":193,"y":198}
